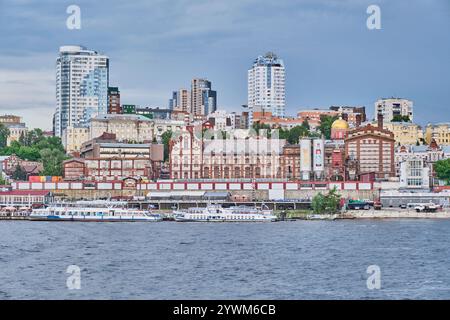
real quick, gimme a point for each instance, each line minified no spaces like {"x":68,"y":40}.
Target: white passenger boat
{"x":215,"y":213}
{"x":93,"y":211}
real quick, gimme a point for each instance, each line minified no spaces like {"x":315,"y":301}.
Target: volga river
{"x":284,"y":260}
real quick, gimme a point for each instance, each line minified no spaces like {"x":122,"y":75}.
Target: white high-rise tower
{"x":266,"y":86}
{"x":82,"y":79}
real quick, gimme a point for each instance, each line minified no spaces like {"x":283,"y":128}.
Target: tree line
{"x":35,"y":146}
{"x":294,"y":134}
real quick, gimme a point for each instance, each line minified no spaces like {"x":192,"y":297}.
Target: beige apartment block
{"x":126,"y":127}
{"x":440,"y":132}
{"x":74,"y":137}
{"x":405,"y":133}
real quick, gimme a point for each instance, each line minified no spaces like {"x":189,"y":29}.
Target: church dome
{"x":340,"y":124}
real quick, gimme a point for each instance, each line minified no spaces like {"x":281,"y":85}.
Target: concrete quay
{"x":394,"y":214}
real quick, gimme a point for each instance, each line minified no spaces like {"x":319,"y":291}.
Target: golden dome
{"x":340,"y":124}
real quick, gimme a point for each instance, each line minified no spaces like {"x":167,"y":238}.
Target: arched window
{"x":206,"y":172}
{"x":227,"y":172}
{"x":248,"y":172}
{"x":237,"y":172}
{"x":258,"y":172}
{"x":216,"y":172}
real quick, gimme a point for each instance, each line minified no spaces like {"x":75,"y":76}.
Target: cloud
{"x":158,"y":46}
{"x":30,"y":93}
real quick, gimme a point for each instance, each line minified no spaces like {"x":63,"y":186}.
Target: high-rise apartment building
{"x":114,"y":101}
{"x":203,"y":98}
{"x":82,"y":78}
{"x":266,"y":86}
{"x":394,"y":109}
{"x":181,"y":101}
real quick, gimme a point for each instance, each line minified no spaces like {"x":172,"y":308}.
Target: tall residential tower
{"x":394,"y":109}
{"x":203,"y":98}
{"x":266,"y":86}
{"x":181,"y":101}
{"x":82,"y":78}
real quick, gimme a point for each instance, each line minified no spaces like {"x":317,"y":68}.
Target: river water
{"x":283,"y":260}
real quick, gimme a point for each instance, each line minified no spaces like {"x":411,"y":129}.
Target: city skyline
{"x":337,"y":63}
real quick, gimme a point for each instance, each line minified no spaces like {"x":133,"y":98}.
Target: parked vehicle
{"x":377,"y":205}
{"x":358,"y":205}
{"x":427,"y":207}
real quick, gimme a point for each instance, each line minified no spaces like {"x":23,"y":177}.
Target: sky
{"x":157,"y":46}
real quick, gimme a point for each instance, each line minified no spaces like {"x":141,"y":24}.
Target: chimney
{"x":380,"y":121}
{"x":358,"y":120}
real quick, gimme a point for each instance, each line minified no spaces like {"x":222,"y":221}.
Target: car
{"x":403,"y":206}
{"x":427,"y":207}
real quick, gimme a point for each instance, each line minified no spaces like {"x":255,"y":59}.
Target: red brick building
{"x":114,"y":106}
{"x":372,"y":147}
{"x":30,"y":167}
{"x":110,"y":169}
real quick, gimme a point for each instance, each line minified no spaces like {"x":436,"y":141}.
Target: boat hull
{"x":94,"y":219}
{"x":184,"y":217}
{"x":222,"y":220}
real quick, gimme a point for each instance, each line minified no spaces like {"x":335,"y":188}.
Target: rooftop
{"x":134,"y":117}
{"x":124,"y":145}
{"x":269,"y":59}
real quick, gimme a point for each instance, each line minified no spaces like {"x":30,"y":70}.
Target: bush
{"x":326,"y":204}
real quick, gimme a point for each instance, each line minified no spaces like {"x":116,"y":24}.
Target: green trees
{"x":400,"y":118}
{"x":34,"y":146}
{"x":22,"y":151}
{"x":2,"y":181}
{"x":326,"y":204}
{"x":325,"y":125}
{"x":52,"y":160}
{"x":258,"y":127}
{"x":4,"y":133}
{"x":442,"y":169}
{"x":298,"y":132}
{"x":292,"y":135}
{"x":166,"y":137}
{"x":31,"y":137}
{"x":19,"y":173}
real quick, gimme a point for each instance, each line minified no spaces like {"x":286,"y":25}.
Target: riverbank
{"x":292,"y":215}
{"x":394,"y":214}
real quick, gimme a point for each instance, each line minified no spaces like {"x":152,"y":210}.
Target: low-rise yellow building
{"x":405,"y":133}
{"x":74,"y":137}
{"x":440,"y":132}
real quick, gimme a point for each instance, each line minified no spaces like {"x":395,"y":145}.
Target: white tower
{"x":82,"y":79}
{"x":266,"y":86}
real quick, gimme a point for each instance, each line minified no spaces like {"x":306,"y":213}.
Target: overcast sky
{"x":157,"y":46}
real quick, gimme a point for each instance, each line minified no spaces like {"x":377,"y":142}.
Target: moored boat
{"x":93,"y":212}
{"x":215,"y":213}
